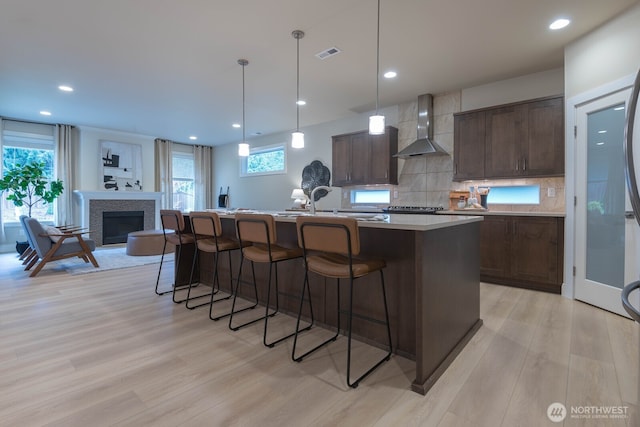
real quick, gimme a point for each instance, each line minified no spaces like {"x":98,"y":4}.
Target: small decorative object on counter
{"x":484,"y":193}
{"x":462,"y":203}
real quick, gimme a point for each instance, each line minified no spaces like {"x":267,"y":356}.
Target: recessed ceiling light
{"x":45,"y":113}
{"x":301,"y":102}
{"x":390,"y":74}
{"x":619,"y":108}
{"x":600,"y":143}
{"x":193,"y":137}
{"x":559,"y":23}
{"x":602,"y":131}
{"x":236,"y":125}
{"x":65,"y":88}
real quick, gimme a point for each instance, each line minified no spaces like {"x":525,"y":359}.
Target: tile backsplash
{"x":427,"y":180}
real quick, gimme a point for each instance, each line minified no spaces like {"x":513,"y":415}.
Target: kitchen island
{"x":432,"y":278}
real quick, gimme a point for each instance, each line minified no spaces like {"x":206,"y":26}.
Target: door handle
{"x":629,"y":214}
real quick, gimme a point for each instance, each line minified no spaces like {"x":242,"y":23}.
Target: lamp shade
{"x":297,"y":193}
{"x":243,"y":149}
{"x":376,"y":125}
{"x":297,"y":139}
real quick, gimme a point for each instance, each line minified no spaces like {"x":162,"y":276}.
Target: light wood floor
{"x":103,"y":349}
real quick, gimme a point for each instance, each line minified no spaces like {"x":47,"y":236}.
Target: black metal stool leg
{"x":235,"y":296}
{"x":267,"y":315}
{"x":213,"y":285}
{"x":387,"y":356}
{"x":216,"y":278}
{"x":295,"y":340}
{"x":160,"y":271}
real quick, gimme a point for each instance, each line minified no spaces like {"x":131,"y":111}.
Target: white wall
{"x":530,"y":86}
{"x":272,"y":192}
{"x":604,"y":55}
{"x":89,"y":166}
{"x":598,"y":60}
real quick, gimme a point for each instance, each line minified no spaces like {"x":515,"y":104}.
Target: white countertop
{"x":385,"y":221}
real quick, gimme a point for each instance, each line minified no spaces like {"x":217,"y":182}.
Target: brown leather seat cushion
{"x":224,"y":244}
{"x":337,"y":266}
{"x":260,"y":253}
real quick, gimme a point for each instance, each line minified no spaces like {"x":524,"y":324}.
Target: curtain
{"x":164,"y":174}
{"x":65,"y":137}
{"x":2,"y":236}
{"x":202,"y":159}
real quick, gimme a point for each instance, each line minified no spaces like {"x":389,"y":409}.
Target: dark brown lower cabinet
{"x":522,"y":251}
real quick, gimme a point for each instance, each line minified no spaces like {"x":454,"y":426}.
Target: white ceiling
{"x":168,"y":68}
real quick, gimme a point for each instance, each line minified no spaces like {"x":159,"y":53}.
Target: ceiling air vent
{"x":328,"y":53}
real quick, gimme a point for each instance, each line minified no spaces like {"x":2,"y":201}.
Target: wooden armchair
{"x":56,"y":244}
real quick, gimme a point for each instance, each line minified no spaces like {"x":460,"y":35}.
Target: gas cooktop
{"x":425,"y":210}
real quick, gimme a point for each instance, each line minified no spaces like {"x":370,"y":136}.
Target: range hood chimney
{"x":424,"y":145}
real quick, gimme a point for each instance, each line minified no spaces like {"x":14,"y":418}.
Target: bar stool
{"x":174,"y":232}
{"x":329,"y":245}
{"x":259,"y":232}
{"x":207,"y":235}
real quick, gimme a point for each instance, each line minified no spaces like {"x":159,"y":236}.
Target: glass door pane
{"x":606,"y":193}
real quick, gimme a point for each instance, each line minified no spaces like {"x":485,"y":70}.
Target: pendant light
{"x":297,"y":137}
{"x":376,"y":122}
{"x":243,"y":147}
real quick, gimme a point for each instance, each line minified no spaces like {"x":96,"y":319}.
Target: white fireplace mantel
{"x":82,"y":199}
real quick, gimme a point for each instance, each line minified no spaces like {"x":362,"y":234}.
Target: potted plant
{"x":28,"y":185}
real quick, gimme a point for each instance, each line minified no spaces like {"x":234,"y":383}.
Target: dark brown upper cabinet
{"x":359,"y":158}
{"x":469,"y":142}
{"x":524,"y":139}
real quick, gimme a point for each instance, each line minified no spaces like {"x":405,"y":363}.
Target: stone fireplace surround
{"x":91,"y":204}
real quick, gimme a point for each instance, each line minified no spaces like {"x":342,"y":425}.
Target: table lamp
{"x":300,"y":199}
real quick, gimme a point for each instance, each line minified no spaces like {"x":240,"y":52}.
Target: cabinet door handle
{"x":517,"y":165}
{"x":524,"y":164}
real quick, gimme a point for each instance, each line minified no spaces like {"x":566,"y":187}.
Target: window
{"x":370,"y":196}
{"x":183,"y":181}
{"x":24,"y":143}
{"x":269,"y":160}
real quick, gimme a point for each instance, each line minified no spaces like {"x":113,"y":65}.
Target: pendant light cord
{"x":243,"y":62}
{"x":297,"y":34}
{"x":297,"y":84}
{"x":378,"y":60}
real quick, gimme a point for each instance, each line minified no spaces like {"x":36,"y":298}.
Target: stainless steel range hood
{"x":424,"y":145}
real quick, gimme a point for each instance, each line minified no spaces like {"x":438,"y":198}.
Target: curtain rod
{"x":34,"y":122}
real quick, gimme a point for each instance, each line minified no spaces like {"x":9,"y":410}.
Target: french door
{"x":606,"y":234}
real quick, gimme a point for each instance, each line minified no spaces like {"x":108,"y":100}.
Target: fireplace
{"x":90,"y":206}
{"x":116,"y":225}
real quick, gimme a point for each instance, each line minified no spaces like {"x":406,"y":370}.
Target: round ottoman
{"x":147,"y":242}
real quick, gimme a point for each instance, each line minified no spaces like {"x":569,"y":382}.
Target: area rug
{"x":108,"y":259}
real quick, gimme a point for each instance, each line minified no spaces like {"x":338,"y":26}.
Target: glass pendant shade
{"x":243,"y":149}
{"x":297,"y":139}
{"x":376,"y":125}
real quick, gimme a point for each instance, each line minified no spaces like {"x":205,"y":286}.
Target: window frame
{"x":185,"y":155}
{"x":24,"y":139}
{"x":264,"y":149}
